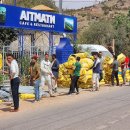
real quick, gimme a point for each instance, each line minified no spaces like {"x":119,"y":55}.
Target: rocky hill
{"x":104,"y":10}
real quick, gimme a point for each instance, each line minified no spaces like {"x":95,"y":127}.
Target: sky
{"x":76,"y":4}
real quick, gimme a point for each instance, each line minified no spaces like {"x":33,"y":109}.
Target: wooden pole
{"x":113,"y":45}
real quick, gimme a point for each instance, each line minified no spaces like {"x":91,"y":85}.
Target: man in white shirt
{"x":46,"y":74}
{"x":14,"y":80}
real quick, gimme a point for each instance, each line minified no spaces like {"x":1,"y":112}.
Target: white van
{"x":91,"y":48}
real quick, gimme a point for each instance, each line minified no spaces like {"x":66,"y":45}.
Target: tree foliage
{"x":32,"y":3}
{"x":122,"y":28}
{"x":100,"y":32}
{"x":9,"y":35}
{"x":103,"y":32}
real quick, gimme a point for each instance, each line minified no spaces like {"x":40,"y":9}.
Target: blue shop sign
{"x":18,"y":17}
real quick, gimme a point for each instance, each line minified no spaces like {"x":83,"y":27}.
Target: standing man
{"x":101,"y":68}
{"x":115,"y":66}
{"x":35,"y":75}
{"x":14,"y":80}
{"x":124,"y":67}
{"x":46,"y":73}
{"x":55,"y":70}
{"x":30,"y":72}
{"x":96,"y":72}
{"x":75,"y":77}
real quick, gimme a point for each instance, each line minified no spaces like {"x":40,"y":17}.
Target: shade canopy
{"x":43,"y":8}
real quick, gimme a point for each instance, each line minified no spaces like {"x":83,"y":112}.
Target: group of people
{"x":98,"y":70}
{"x":39,"y":75}
{"x":97,"y":73}
{"x":124,"y":67}
{"x":47,"y":73}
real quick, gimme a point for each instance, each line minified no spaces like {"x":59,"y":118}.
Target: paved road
{"x":108,"y":109}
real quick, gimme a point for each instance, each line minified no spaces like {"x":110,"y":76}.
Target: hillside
{"x":104,"y":10}
{"x":32,"y":3}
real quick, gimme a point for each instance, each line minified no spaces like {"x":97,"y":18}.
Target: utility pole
{"x":60,"y":6}
{"x":113,"y":45}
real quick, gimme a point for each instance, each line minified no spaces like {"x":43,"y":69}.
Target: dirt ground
{"x":27,"y":106}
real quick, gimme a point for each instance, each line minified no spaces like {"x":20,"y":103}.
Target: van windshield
{"x":104,"y":53}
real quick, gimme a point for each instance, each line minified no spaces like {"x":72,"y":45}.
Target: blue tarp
{"x":5,"y":92}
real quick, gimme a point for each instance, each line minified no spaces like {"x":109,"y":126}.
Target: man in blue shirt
{"x":96,"y":72}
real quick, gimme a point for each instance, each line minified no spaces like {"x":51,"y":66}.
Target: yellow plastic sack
{"x":70,"y":71}
{"x":91,"y":57}
{"x":83,"y":79}
{"x":27,"y":96}
{"x":82,"y":55}
{"x":1,"y":101}
{"x":102,"y":83}
{"x":128,"y":71}
{"x":69,"y":64}
{"x":128,"y":78}
{"x":61,"y":68}
{"x":85,"y":65}
{"x":87,"y":61}
{"x":121,"y":58}
{"x":90,"y":72}
{"x":110,"y":61}
{"x":0,"y":61}
{"x":83,"y":71}
{"x":61,"y":78}
{"x":71,"y":58}
{"x":121,"y":81}
{"x":64,"y":84}
{"x":106,"y":59}
{"x":119,"y":77}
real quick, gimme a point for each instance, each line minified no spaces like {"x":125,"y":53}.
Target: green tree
{"x":32,"y":3}
{"x":7,"y":36}
{"x":100,"y":32}
{"x":122,"y":28}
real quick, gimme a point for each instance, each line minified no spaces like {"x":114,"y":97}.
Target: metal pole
{"x":60,"y":6}
{"x":3,"y":63}
{"x":75,"y":43}
{"x":14,"y":2}
{"x":50,"y":43}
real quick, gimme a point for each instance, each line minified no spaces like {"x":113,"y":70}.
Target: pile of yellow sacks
{"x":65,"y":70}
{"x":108,"y":70}
{"x":128,"y":75}
{"x":85,"y":80}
